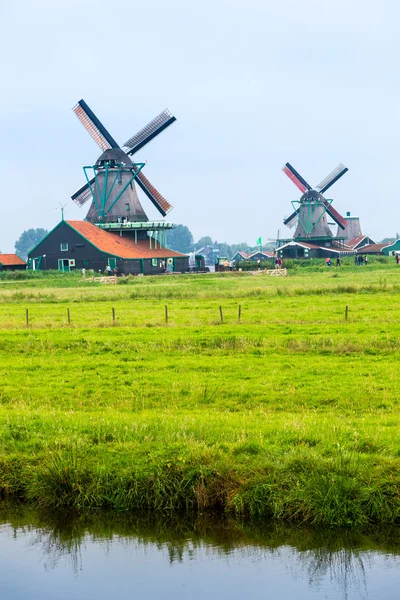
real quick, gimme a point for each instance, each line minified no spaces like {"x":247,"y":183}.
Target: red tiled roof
{"x":355,"y":241}
{"x":371,"y":248}
{"x":11,"y":260}
{"x":122,"y":246}
{"x":267,"y":254}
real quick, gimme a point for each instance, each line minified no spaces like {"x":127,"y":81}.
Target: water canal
{"x":50,"y":556}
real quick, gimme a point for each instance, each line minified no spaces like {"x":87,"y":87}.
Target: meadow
{"x":290,"y":412}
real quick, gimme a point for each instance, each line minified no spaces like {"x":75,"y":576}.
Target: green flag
{"x":259,"y":242}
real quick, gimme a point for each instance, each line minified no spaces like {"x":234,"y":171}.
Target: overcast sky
{"x":253,"y":84}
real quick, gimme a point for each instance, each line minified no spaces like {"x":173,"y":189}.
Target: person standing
{"x":338,"y":261}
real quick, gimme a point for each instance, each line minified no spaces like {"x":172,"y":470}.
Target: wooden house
{"x":391,"y":249}
{"x":372,"y":249}
{"x":261,"y":256}
{"x":80,"y":244}
{"x":240,"y":256}
{"x":11,"y":262}
{"x":358,"y":242}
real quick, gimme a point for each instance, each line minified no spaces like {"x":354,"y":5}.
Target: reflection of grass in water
{"x":340,"y":555}
{"x":291,"y":414}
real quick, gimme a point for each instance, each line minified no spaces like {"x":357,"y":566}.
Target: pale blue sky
{"x":253,"y":84}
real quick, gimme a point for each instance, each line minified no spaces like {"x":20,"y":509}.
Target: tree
{"x":28,"y":240}
{"x":180,"y":239}
{"x":204,"y":241}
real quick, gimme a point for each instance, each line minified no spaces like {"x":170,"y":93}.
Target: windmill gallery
{"x":117,"y":235}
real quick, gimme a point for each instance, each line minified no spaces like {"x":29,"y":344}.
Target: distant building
{"x":11,"y":262}
{"x":80,"y":244}
{"x":304,"y":250}
{"x":261,"y":256}
{"x":240,"y":256}
{"x":391,"y":249}
{"x":210,"y":255}
{"x":372,"y":249}
{"x":352,"y":228}
{"x":359,"y":241}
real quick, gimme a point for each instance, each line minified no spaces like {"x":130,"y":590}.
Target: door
{"x":63,"y":265}
{"x":112,"y":262}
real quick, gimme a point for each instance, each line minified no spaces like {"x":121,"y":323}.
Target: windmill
{"x":111,"y":188}
{"x":310,"y":212}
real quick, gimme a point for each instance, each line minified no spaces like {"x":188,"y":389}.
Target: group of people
{"x":229,"y":264}
{"x":360,"y":260}
{"x":328,"y":261}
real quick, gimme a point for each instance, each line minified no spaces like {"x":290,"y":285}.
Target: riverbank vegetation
{"x":290,"y":413}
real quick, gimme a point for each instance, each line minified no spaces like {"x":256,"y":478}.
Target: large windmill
{"x":110,"y":181}
{"x":310,"y":212}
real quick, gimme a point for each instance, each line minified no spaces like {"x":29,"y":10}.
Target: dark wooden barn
{"x":11,"y":262}
{"x":80,"y":244}
{"x":303,"y":250}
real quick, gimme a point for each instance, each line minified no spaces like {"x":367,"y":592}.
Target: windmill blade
{"x":292,"y":219}
{"x":94,"y":127}
{"x":157,"y":199}
{"x":332,"y":177}
{"x":83,"y":194}
{"x":297,"y":179}
{"x":150,"y":131}
{"x":335,"y":215}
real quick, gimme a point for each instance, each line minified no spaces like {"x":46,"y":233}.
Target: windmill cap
{"x":116,"y":154}
{"x":312,"y":194}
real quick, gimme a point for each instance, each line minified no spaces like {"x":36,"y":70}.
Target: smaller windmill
{"x":111,"y":189}
{"x":310,"y":212}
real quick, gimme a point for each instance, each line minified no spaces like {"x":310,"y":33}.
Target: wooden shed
{"x":11,"y":262}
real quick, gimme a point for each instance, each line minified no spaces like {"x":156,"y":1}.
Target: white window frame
{"x":62,"y":248}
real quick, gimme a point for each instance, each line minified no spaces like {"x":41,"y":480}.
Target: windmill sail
{"x":153,"y":194}
{"x":297,"y":179}
{"x":94,"y":127}
{"x":149,"y":132}
{"x":336,"y":174}
{"x":83,"y":194}
{"x":336,"y":216}
{"x":292,"y":219}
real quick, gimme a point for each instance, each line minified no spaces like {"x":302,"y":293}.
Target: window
{"x":127,"y":207}
{"x":64,"y":246}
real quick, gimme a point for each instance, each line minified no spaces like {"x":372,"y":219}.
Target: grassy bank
{"x":291,"y":413}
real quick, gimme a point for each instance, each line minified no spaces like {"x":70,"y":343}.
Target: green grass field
{"x":291,"y":413}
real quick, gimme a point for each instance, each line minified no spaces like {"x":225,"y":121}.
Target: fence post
{"x":239,"y":312}
{"x":69,"y":316}
{"x":27,"y":317}
{"x":166,"y":313}
{"x":113,"y":315}
{"x":221,"y":315}
{"x":347,"y":313}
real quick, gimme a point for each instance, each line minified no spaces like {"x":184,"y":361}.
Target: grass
{"x":291,"y":413}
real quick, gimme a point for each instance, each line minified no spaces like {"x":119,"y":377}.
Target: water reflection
{"x":341,"y":558}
